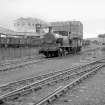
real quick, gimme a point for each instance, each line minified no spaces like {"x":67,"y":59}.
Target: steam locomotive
{"x":63,"y":38}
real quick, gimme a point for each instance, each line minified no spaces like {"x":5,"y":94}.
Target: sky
{"x":89,"y":12}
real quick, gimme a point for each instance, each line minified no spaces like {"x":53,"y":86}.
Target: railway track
{"x":21,"y":64}
{"x":59,"y":92}
{"x":18,"y":84}
{"x":51,"y":78}
{"x":10,"y":67}
{"x":15,"y":61}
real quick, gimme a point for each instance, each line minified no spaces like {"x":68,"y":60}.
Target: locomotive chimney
{"x":50,"y":29}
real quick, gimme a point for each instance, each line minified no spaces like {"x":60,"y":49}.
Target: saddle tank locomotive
{"x":65,"y":38}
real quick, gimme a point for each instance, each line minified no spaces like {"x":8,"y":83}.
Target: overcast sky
{"x":89,"y":12}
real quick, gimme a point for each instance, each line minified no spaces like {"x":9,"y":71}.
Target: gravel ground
{"x":89,"y":92}
{"x":35,"y":97}
{"x":39,"y":68}
{"x":15,"y":53}
{"x":47,"y":66}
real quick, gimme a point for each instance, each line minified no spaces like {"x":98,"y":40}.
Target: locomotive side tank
{"x":65,"y":38}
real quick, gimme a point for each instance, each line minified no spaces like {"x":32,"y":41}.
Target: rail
{"x":50,"y":78}
{"x":56,"y":94}
{"x":24,"y":90}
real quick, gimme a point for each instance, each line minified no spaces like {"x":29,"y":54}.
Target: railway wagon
{"x":63,"y":38}
{"x":3,"y":41}
{"x":32,"y":41}
{"x":13,"y":41}
{"x":19,"y":41}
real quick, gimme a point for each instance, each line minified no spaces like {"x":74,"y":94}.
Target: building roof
{"x":6,"y":31}
{"x":32,"y":20}
{"x":9,"y":32}
{"x":64,"y":23}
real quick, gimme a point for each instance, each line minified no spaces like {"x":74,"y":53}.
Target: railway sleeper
{"x":16,"y":96}
{"x":12,"y":97}
{"x":62,"y":93}
{"x":27,"y":87}
{"x":46,"y":103}
{"x":75,"y":83}
{"x":39,"y":77}
{"x":65,"y":90}
{"x":5,"y":89}
{"x":36,"y":85}
{"x":37,"y":88}
{"x":27,"y":92}
{"x":47,"y":75}
{"x":68,"y":77}
{"x":52,"y":83}
{"x":79,"y":81}
{"x":59,"y":94}
{"x":30,"y":80}
{"x":23,"y":82}
{"x":15,"y":85}
{"x":10,"y":89}
{"x":69,"y":87}
{"x":49,"y":84}
{"x":49,"y":101}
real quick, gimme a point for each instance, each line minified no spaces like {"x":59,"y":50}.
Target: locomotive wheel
{"x":52,"y":54}
{"x":65,"y":52}
{"x":60,"y":52}
{"x":49,"y":55}
{"x":56,"y":54}
{"x":46,"y":54}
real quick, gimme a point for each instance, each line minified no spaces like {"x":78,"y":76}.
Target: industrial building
{"x":29,"y":25}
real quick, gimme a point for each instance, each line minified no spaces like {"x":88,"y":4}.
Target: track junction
{"x":13,"y":91}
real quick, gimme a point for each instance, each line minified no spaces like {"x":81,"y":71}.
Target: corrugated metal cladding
{"x":74,"y":27}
